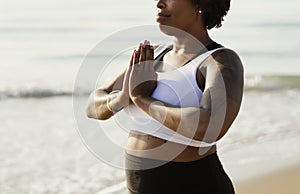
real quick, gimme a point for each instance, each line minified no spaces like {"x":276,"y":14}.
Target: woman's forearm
{"x":184,"y":120}
{"x":102,"y":105}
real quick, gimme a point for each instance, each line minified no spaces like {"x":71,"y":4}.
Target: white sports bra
{"x":177,"y":87}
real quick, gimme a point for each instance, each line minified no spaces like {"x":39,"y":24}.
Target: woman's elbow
{"x":92,"y":113}
{"x":90,"y":110}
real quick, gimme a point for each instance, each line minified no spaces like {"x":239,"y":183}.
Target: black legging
{"x":204,"y":176}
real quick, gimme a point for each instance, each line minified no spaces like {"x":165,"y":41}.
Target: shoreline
{"x":284,"y":180}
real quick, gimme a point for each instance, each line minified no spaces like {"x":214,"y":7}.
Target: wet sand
{"x":283,"y":181}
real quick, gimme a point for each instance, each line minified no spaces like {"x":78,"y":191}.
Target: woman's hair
{"x":213,"y":11}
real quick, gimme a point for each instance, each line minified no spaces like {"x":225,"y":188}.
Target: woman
{"x":180,"y":154}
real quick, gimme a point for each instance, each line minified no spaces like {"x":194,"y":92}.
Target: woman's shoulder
{"x":227,"y":57}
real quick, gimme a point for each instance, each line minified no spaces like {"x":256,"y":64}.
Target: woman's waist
{"x":133,"y":162}
{"x":141,"y":123}
{"x":148,"y":146}
{"x":161,"y":134}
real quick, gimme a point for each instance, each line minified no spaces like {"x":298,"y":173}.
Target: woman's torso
{"x":148,"y":146}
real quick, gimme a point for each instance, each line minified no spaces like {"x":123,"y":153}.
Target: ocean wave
{"x":39,"y":93}
{"x":291,"y":24}
{"x":257,"y":83}
{"x":267,"y":83}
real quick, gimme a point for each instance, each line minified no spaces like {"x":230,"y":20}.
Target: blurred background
{"x":43,"y":44}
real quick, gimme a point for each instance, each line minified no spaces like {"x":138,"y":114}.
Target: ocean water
{"x":43,"y":45}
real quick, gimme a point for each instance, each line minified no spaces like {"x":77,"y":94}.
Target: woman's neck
{"x":191,"y":42}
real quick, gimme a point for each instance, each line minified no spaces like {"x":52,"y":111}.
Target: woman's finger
{"x":149,"y":52}
{"x":129,"y":68}
{"x":149,"y":59}
{"x":142,"y":54}
{"x":132,"y":59}
{"x":152,"y":52}
{"x":136,"y":57}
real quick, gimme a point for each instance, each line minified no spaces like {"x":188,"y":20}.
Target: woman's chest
{"x":168,"y":65}
{"x":178,"y":87}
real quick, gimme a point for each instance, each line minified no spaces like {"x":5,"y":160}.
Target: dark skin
{"x":220,"y":77}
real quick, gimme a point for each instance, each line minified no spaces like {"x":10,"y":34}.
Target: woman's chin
{"x":169,"y":30}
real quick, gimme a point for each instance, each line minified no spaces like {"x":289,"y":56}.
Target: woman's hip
{"x":206,"y":175}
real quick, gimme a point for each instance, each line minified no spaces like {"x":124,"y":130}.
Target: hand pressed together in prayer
{"x":140,"y":77}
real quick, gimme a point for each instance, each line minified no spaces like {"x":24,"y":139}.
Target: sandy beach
{"x":267,"y":166}
{"x":283,"y":181}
